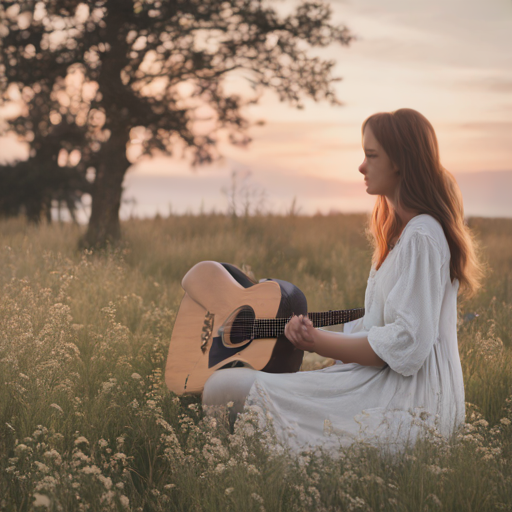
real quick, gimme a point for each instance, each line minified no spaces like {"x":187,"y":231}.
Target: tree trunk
{"x":104,"y":226}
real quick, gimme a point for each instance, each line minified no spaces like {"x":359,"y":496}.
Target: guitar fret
{"x":274,"y":327}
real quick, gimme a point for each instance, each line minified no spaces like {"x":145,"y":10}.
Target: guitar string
{"x":269,"y":323}
{"x":267,"y":327}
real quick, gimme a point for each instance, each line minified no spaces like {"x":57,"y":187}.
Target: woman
{"x":397,"y":371}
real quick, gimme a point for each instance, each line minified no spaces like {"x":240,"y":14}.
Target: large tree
{"x":160,"y":70}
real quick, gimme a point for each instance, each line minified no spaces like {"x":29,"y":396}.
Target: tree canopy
{"x":149,"y":76}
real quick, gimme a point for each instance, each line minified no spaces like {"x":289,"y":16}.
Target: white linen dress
{"x":411,"y":323}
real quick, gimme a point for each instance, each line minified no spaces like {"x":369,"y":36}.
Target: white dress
{"x":411,"y":323}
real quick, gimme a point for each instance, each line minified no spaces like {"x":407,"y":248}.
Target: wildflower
{"x":81,"y":440}
{"x":435,"y":500}
{"x":229,"y":490}
{"x":257,"y":497}
{"x":21,"y":448}
{"x":120,"y":485}
{"x":102,"y":443}
{"x":169,"y":486}
{"x":436,"y":470}
{"x":41,"y":467}
{"x":91,"y":470}
{"x":252,"y":469}
{"x":481,"y":423}
{"x":53,"y":454}
{"x":220,"y":468}
{"x":327,"y":426}
{"x":230,"y":404}
{"x":57,"y":407}
{"x":106,"y":480}
{"x":136,"y":376}
{"x":505,"y":421}
{"x":79,"y":455}
{"x":47,"y":483}
{"x":41,"y":500}
{"x":124,"y":500}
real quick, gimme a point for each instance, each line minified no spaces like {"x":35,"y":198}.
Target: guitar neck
{"x":274,"y":327}
{"x":340,"y":316}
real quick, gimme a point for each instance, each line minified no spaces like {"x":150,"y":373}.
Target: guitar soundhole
{"x":241,"y":329}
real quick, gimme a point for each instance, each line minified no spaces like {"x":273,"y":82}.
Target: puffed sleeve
{"x":354,"y":326}
{"x":412,"y":308}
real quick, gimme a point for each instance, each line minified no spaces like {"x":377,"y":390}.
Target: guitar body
{"x":210,"y":330}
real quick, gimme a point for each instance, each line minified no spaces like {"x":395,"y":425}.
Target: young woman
{"x":397,"y":370}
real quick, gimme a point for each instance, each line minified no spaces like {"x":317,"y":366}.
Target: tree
{"x":160,"y":68}
{"x":37,"y":75}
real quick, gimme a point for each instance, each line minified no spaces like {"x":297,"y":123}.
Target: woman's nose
{"x":362,"y":167}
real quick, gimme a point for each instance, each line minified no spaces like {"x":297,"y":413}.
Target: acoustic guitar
{"x":226,"y":319}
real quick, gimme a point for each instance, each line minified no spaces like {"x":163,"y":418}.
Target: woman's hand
{"x":301,"y":333}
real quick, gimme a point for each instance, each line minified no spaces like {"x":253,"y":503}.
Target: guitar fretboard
{"x":274,"y":327}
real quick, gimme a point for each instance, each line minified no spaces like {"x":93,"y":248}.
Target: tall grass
{"x":86,"y":422}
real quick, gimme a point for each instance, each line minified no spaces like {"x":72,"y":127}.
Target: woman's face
{"x":380,"y":176}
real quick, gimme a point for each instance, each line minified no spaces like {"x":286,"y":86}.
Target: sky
{"x":449,"y":59}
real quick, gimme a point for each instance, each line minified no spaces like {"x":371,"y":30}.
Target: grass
{"x":86,"y":422}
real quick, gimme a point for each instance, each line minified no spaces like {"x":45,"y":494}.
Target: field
{"x":86,"y":422}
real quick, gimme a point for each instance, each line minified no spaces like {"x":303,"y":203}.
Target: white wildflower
{"x":136,"y":376}
{"x":41,"y":500}
{"x":252,"y":469}
{"x":81,"y":440}
{"x":229,"y":490}
{"x":41,"y":467}
{"x":220,"y":468}
{"x":102,"y":443}
{"x":257,"y":497}
{"x":124,"y":500}
{"x":106,"y":481}
{"x":91,"y":470}
{"x":505,"y":421}
{"x":230,"y":404}
{"x":435,"y":500}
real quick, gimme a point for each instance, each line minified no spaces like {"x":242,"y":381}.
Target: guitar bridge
{"x":207,"y":330}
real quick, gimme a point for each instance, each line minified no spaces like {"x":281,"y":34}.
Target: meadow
{"x":87,"y":423}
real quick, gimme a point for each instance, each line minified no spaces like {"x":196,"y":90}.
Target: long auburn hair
{"x":425,"y":186}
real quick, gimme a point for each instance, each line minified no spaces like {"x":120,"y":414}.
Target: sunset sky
{"x":449,"y":59}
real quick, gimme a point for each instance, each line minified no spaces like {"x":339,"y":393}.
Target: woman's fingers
{"x":296,"y":331}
